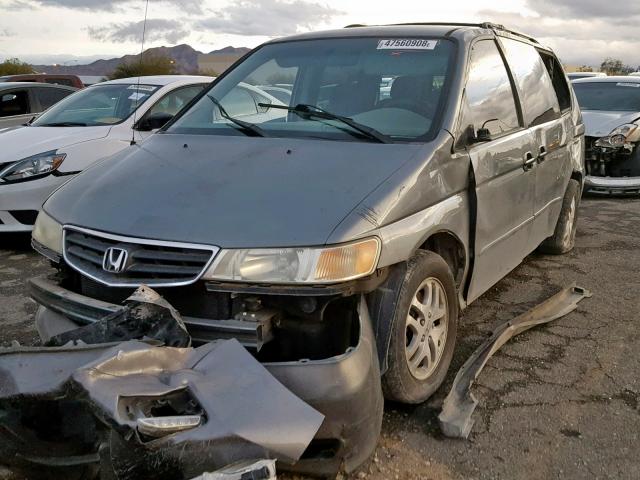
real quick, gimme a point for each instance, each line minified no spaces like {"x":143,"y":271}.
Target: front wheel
{"x":424,"y":329}
{"x":564,"y":236}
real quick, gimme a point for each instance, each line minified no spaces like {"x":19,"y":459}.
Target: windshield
{"x":393,"y":87}
{"x":608,"y":96}
{"x":97,"y":105}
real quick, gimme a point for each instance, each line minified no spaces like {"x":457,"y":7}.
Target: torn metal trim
{"x":455,"y":418}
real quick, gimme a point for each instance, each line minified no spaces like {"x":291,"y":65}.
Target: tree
{"x":151,"y":64}
{"x":14,"y":66}
{"x":208,"y":72}
{"x":614,"y":66}
{"x":585,"y":68}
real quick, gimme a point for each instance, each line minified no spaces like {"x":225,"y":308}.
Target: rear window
{"x":608,"y":96}
{"x":59,"y":81}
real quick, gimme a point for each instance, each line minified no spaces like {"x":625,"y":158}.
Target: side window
{"x":50,"y":96}
{"x":14,"y":103}
{"x":489,"y":101}
{"x":558,"y":79}
{"x":173,"y":102}
{"x":539,"y":101}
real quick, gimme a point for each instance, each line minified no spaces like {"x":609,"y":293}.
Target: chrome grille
{"x":148,"y":262}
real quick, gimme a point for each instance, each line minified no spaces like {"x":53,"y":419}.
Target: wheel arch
{"x":451,"y":248}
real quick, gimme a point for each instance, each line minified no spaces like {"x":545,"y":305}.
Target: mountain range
{"x":185,"y":57}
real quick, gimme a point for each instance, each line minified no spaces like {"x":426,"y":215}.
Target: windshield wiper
{"x":245,"y":126}
{"x":63,"y":124}
{"x":310,"y":111}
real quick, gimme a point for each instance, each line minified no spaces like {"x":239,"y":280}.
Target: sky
{"x":79,"y":31}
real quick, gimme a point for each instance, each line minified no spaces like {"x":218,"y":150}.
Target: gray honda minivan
{"x":412,"y":168}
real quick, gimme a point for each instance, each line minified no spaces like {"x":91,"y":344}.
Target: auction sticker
{"x":407,"y":44}
{"x":628,"y":84}
{"x":142,"y":88}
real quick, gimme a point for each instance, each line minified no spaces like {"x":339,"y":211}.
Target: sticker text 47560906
{"x":407,"y":44}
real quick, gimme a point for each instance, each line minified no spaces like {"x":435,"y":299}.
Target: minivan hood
{"x":600,"y":123}
{"x":233,"y":192}
{"x":22,"y":142}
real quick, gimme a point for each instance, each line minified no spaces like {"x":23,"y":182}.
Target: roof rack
{"x":487,"y":25}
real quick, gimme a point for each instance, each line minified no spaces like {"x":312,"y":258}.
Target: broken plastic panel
{"x":250,"y":470}
{"x":455,"y":418}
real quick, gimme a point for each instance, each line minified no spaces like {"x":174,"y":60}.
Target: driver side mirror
{"x":153,"y":121}
{"x":482,"y":135}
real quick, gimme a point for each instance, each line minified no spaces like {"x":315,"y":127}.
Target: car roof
{"x":8,"y":85}
{"x":613,"y":79}
{"x":435,"y":29}
{"x":160,"y":80}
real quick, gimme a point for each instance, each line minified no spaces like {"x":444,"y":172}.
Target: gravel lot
{"x":560,"y":401}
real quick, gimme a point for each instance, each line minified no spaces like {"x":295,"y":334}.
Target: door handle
{"x":529,"y":161}
{"x":543,"y":153}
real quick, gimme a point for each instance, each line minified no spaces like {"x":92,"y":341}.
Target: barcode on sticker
{"x":407,"y":44}
{"x":142,"y":88}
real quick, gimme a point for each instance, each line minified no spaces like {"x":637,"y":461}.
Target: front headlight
{"x":32,"y":167}
{"x":619,"y":136}
{"x":297,"y":265}
{"x":48,"y":232}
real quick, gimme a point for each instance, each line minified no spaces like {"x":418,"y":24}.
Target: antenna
{"x":144,"y":31}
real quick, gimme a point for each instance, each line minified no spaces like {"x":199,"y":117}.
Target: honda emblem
{"x":114,"y":260}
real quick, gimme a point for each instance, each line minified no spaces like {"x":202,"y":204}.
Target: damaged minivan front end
{"x":299,"y":314}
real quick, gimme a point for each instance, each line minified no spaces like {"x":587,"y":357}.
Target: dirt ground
{"x":560,"y":401}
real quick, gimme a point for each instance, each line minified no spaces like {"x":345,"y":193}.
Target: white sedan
{"x":90,"y":125}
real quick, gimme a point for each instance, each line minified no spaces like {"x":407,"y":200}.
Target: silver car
{"x":353,"y":227}
{"x":611,"y":111}
{"x":21,"y":101}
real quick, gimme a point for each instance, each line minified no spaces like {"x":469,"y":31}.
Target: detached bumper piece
{"x":455,"y":418}
{"x":156,"y":412}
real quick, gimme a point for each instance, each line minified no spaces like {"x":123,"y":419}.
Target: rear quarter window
{"x":558,"y":79}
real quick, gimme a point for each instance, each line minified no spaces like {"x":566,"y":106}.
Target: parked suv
{"x":53,"y":79}
{"x":352,"y":224}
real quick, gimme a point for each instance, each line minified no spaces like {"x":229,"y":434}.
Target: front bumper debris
{"x":344,"y":388}
{"x":259,"y":470}
{"x":455,"y":418}
{"x":245,"y":412}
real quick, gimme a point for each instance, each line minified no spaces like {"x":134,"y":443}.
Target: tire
{"x":564,"y":236}
{"x":418,"y":331}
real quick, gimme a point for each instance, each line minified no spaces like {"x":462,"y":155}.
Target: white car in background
{"x":90,"y":125}
{"x":578,"y":75}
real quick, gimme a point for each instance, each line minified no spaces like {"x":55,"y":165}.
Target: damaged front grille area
{"x":119,"y":261}
{"x":611,"y":162}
